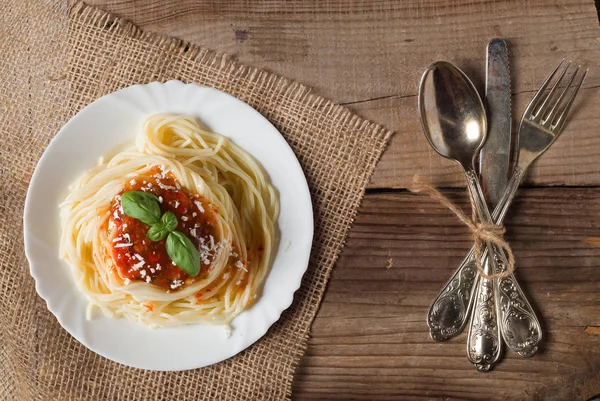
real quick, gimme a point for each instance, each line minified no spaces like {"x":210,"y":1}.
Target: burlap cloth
{"x":54,"y":61}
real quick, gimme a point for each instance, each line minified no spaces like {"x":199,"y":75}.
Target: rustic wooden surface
{"x":369,"y":340}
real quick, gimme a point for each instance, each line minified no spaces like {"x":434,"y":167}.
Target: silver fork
{"x":542,"y":122}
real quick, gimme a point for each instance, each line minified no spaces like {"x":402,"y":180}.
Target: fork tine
{"x":551,"y":115}
{"x":529,"y":111}
{"x":562,"y":118}
{"x":543,"y":108}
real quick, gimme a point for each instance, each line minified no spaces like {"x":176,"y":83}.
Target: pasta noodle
{"x":223,"y":202}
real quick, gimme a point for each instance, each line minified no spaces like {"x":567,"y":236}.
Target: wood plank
{"x":370,"y":340}
{"x":370,"y":55}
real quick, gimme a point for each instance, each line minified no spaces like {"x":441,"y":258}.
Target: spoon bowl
{"x":452,"y":113}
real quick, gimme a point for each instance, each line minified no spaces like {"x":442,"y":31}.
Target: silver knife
{"x":495,"y":155}
{"x":484,"y":341}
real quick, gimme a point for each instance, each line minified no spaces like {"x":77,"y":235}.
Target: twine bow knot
{"x":480,"y":231}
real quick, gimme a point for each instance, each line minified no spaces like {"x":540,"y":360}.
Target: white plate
{"x":111,"y":121}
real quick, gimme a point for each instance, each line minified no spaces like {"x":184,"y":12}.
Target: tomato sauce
{"x":138,"y":258}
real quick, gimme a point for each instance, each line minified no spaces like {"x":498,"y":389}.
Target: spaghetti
{"x":221,"y":201}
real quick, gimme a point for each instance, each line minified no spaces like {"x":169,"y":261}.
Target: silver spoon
{"x":454,"y":122}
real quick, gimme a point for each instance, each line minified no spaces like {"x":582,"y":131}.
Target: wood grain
{"x":369,"y":55}
{"x":370,"y":340}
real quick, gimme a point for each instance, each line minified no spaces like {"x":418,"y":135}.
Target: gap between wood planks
{"x":374,"y":99}
{"x":389,"y":190}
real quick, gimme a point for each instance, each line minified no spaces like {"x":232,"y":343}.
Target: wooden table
{"x":370,"y":340}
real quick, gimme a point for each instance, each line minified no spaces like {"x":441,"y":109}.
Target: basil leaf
{"x":142,"y":206}
{"x":157,"y":232}
{"x":169,"y":220}
{"x":183,"y":253}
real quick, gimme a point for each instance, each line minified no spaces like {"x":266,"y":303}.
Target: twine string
{"x":481,"y":232}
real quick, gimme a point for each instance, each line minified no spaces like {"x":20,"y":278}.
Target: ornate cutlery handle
{"x":449,"y":312}
{"x":484,"y":345}
{"x":519,"y":325}
{"x":483,"y":342}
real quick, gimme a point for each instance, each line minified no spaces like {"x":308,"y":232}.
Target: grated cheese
{"x":199,"y":206}
{"x":240,"y":265}
{"x":123,"y":245}
{"x":163,"y":186}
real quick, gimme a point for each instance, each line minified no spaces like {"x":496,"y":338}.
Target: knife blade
{"x":494,"y":160}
